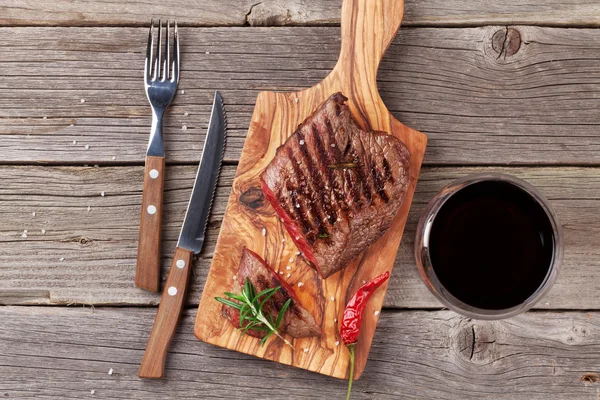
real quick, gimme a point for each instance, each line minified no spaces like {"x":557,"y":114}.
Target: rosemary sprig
{"x":345,"y":165}
{"x":323,"y":235}
{"x":250,"y":305}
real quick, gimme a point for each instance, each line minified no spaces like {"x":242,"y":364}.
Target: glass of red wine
{"x":489,"y":246}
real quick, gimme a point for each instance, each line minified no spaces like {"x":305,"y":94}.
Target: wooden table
{"x":496,"y":86}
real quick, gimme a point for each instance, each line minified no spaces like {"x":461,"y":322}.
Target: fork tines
{"x":156,"y":68}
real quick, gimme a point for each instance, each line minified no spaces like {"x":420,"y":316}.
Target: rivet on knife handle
{"x":147,"y":270}
{"x":167,"y":317}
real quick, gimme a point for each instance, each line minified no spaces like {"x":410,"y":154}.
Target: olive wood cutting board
{"x":368,"y":27}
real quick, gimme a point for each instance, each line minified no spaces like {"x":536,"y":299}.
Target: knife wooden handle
{"x":167,"y":316}
{"x":147,"y":270}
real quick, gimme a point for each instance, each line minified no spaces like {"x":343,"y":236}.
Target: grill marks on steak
{"x":336,"y":187}
{"x":297,"y":321}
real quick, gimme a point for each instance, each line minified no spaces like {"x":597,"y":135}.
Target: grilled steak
{"x":297,"y":321}
{"x":336,"y":187}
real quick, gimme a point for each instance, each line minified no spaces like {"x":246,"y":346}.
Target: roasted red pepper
{"x":353,"y":318}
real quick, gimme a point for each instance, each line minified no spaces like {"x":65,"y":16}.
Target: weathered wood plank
{"x":67,"y":352}
{"x":477,"y":106}
{"x":292,"y":12}
{"x":99,"y":246}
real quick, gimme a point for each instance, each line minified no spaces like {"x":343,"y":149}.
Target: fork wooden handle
{"x":147,"y":270}
{"x":167,"y":316}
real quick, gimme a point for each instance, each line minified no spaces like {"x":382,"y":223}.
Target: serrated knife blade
{"x":196,"y":217}
{"x":190,"y":242}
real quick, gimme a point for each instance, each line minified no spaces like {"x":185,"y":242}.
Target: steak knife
{"x":191,"y":240}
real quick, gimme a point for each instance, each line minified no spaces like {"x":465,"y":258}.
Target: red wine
{"x":491,"y":245}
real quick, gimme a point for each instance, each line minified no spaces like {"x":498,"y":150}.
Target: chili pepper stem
{"x":351,"y":378}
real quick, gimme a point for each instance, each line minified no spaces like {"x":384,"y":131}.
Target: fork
{"x":161,"y":77}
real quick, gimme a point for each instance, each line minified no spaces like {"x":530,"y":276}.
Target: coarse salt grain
{"x":297,"y":205}
{"x":376,"y":313}
{"x":25,"y":231}
{"x":185,"y":114}
{"x":83,"y":100}
{"x":280,"y":272}
{"x":332,"y":298}
{"x":301,"y":142}
{"x":297,"y":237}
{"x":297,"y":253}
{"x":306,"y":349}
{"x":296,"y":99}
{"x":24,"y":235}
{"x":300,"y":284}
{"x":288,"y":267}
{"x":264,"y":231}
{"x":184,"y":128}
{"x":207,"y":52}
{"x":102,"y":194}
{"x":235,"y":277}
{"x":183,"y":92}
{"x":363,"y":281}
{"x":74,"y":141}
{"x":282,"y":240}
{"x":110,"y":371}
{"x":92,"y":391}
{"x":96,"y":165}
{"x":332,"y":144}
{"x":114,"y":158}
{"x":43,"y":231}
{"x":288,"y":275}
{"x":45,"y":117}
{"x":337,"y":343}
{"x":61,"y":259}
{"x":335,"y":320}
{"x":89,"y":208}
{"x":291,"y":259}
{"x":33,"y":214}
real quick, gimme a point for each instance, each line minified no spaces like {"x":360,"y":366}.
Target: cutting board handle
{"x":368,"y":28}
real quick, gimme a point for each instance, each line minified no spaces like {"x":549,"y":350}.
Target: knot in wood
{"x":252,"y":198}
{"x":476,"y":343}
{"x":506,"y":42}
{"x":590,"y":378}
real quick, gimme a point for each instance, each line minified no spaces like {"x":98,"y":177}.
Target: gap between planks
{"x":430,"y":13}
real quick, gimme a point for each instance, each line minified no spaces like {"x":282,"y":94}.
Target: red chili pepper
{"x":353,"y":318}
{"x":353,"y":313}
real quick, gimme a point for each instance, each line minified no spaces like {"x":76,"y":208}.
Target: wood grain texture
{"x":147,"y":269}
{"x":292,"y":12}
{"x":476,"y":106}
{"x":167,"y":316}
{"x":368,"y":28}
{"x":99,"y":246}
{"x":415,"y":355}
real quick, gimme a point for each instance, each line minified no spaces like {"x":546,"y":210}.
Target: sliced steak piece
{"x":297,"y":321}
{"x":336,"y":187}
